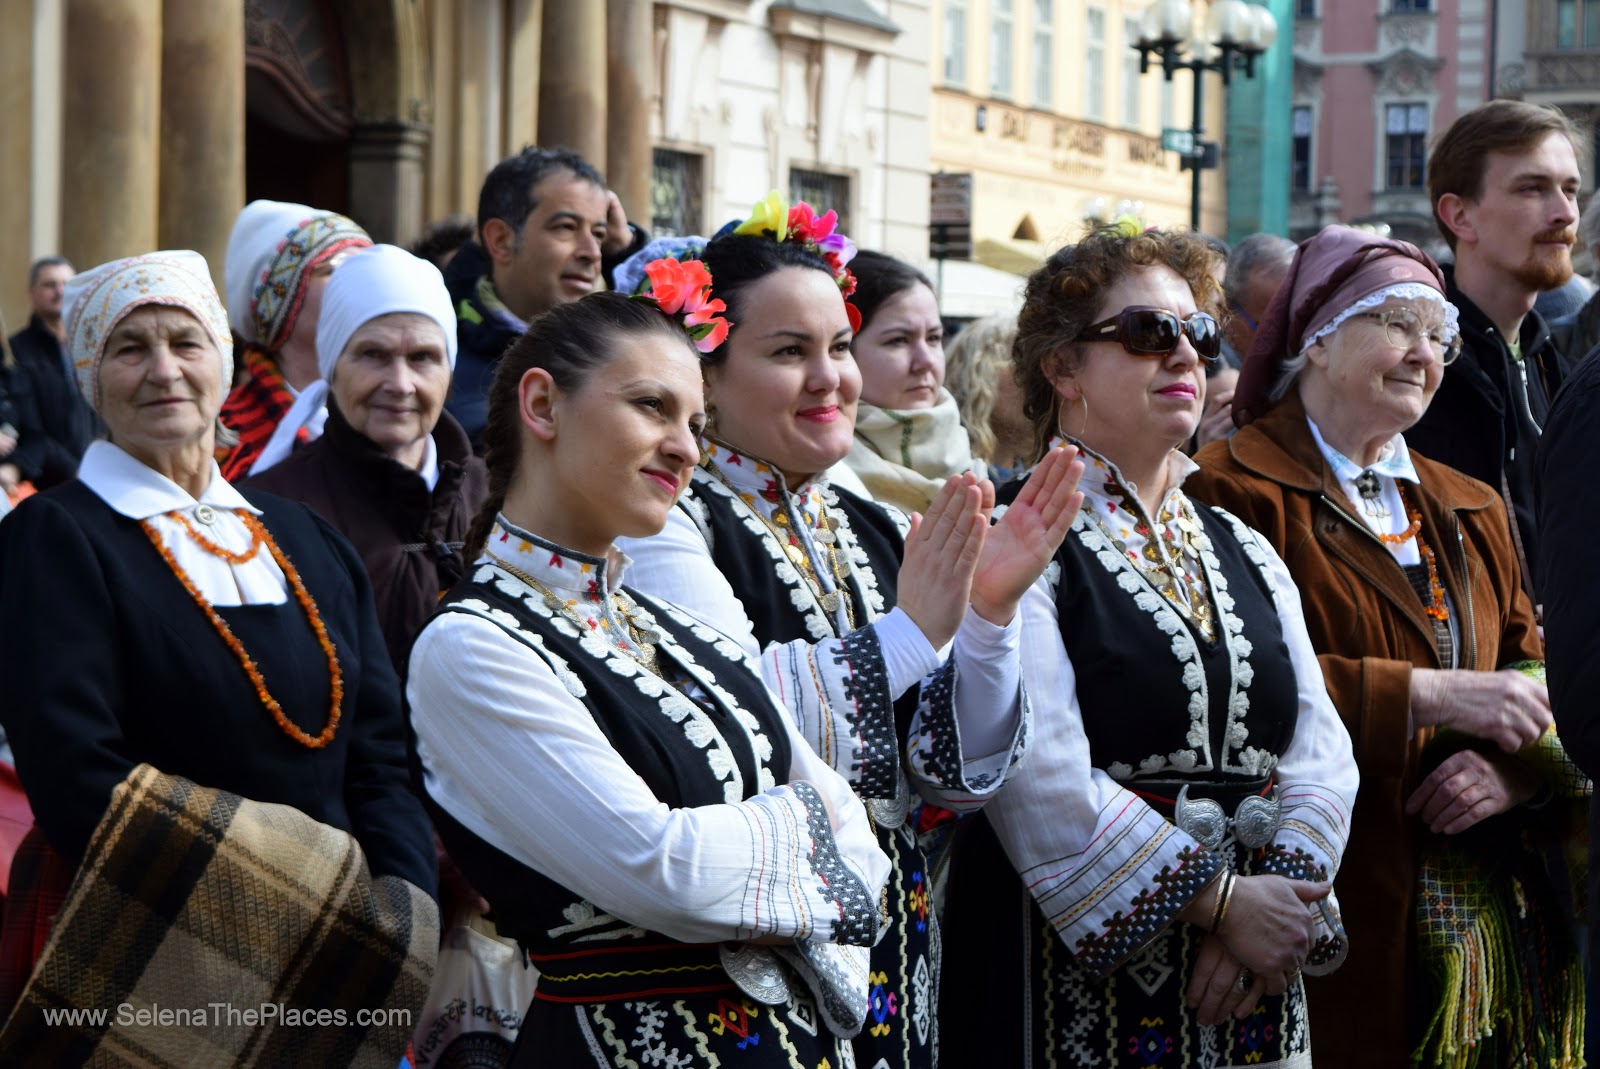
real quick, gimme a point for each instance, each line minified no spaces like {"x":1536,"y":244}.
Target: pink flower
{"x":678,"y":285}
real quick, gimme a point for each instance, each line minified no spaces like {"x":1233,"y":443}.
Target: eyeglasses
{"x":1146,"y":331}
{"x":1404,"y":328}
{"x":1238,"y":310}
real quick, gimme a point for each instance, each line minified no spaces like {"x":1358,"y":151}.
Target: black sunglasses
{"x":1146,"y":331}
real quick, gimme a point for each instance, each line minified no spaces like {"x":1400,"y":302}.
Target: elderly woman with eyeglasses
{"x":1150,"y":883}
{"x":1413,"y":602}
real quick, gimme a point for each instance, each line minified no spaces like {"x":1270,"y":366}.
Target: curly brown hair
{"x":1063,"y":296}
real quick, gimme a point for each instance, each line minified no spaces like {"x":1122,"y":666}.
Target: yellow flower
{"x":771,"y":214}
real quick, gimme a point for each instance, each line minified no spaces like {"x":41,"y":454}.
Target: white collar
{"x":1395,"y":460}
{"x":429,"y":468}
{"x":138,"y":491}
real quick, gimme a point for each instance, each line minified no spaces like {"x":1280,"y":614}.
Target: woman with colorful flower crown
{"x":1149,"y":886}
{"x":893,"y":645}
{"x":693,"y":883}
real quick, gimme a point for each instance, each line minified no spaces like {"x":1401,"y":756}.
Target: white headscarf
{"x":98,"y":299}
{"x":271,"y":251}
{"x":374,"y":282}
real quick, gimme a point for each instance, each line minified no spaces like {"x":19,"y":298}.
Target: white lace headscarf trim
{"x":1405,"y":291}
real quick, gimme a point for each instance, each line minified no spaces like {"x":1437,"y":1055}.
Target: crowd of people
{"x":550,"y":646}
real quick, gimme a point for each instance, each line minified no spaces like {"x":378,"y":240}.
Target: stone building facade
{"x":138,"y":124}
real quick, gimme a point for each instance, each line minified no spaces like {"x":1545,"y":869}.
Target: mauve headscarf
{"x":1330,"y":271}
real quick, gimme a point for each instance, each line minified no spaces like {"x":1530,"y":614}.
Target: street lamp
{"x":1235,"y":34}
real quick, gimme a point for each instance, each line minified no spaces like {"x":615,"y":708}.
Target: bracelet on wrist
{"x":1224,"y":894}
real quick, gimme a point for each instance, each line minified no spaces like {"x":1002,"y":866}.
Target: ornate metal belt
{"x":1253,"y":824}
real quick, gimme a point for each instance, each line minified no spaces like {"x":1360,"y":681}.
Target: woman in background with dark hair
{"x":894,"y":646}
{"x":909,"y":437}
{"x":691,"y":880}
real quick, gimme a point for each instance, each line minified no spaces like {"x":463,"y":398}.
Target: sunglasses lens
{"x":1206,"y":336}
{"x":1151,"y":330}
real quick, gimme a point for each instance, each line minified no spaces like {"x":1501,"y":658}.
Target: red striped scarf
{"x":253,"y":411}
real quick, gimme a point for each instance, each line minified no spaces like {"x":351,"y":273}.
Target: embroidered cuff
{"x":855,"y":920}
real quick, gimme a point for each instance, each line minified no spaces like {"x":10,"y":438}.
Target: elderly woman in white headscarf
{"x":393,"y":472}
{"x":177,"y":653}
{"x":280,"y":256}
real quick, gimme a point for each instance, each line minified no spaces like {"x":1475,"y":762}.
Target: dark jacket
{"x":109,"y":663}
{"x":409,"y":538}
{"x":1486,"y":423}
{"x":1576,"y":334}
{"x":1368,"y":628}
{"x":483,"y":335}
{"x":65,"y":422}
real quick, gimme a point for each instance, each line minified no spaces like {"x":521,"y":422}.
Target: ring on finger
{"x":1244,"y":981}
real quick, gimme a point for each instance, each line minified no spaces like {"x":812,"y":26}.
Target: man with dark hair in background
{"x":547,"y":225}
{"x":66,"y":424}
{"x":1504,"y":184}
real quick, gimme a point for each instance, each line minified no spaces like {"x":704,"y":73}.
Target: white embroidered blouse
{"x":494,"y":715}
{"x":985,"y":722}
{"x":1088,"y":847}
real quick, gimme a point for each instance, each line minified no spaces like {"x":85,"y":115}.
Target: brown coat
{"x":1369,"y":630}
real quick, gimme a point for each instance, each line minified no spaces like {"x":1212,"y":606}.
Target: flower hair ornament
{"x":682,"y":290}
{"x":801,"y":225}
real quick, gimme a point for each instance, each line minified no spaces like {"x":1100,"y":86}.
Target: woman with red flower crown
{"x":894,"y":646}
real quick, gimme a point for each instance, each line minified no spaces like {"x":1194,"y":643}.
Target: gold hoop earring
{"x":1061,"y":428}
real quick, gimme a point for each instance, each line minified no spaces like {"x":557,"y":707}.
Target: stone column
{"x":572,"y":79}
{"x":630,"y":63}
{"x":17,"y":77}
{"x":386,"y":178}
{"x":112,"y":121}
{"x":202,"y":126}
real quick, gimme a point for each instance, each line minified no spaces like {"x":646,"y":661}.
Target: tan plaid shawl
{"x":203,"y":928}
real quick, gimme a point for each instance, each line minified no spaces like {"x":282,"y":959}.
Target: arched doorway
{"x":298,"y":113}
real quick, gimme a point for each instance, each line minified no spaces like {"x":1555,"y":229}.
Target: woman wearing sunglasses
{"x":1413,"y":601}
{"x":1148,"y":886}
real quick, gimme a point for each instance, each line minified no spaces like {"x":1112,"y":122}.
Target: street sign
{"x":1204,"y":158}
{"x":950,"y":201}
{"x":949,"y":242}
{"x":1179,"y":141}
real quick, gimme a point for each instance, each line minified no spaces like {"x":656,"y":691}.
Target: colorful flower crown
{"x":801,"y":225}
{"x":682,"y":290}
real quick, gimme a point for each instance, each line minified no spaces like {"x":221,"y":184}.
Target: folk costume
{"x":678,"y":817}
{"x":225,"y":641}
{"x":1183,"y":730}
{"x":272,"y":251}
{"x":804,"y":578}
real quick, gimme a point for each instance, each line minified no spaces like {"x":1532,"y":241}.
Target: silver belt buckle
{"x":1253,"y":824}
{"x":757,"y":971}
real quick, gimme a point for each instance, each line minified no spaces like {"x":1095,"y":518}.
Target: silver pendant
{"x":1255,"y":822}
{"x":756,"y":971}
{"x":1204,"y":820}
{"x":205,"y":514}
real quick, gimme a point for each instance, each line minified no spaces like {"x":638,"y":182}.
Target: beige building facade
{"x":139,"y":124}
{"x":1043,"y":103}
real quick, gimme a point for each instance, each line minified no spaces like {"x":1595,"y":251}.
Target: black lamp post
{"x":1235,"y":34}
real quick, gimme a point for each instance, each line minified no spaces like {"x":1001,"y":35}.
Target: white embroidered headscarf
{"x":272,"y":250}
{"x":98,"y":299}
{"x":374,"y":282}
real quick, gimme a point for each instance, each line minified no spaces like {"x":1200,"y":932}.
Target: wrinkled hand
{"x":1217,"y":420}
{"x":1214,"y":992}
{"x":1468,"y":787}
{"x":1507,"y":708}
{"x":1269,"y":929}
{"x":618,"y":236}
{"x":1021,"y":545}
{"x":941,"y":555}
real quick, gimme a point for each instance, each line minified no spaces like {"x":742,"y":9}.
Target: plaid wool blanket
{"x":205,"y":929}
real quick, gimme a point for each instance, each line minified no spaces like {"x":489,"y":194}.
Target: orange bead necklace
{"x":259,"y":537}
{"x":1440,"y":609}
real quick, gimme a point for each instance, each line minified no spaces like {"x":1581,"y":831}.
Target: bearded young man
{"x":1504,"y":184}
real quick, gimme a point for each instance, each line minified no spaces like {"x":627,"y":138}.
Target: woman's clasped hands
{"x":1257,"y":949}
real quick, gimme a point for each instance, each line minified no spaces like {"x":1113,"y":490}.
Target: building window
{"x":1300,"y":173}
{"x":822,"y":191}
{"x":1306,"y":9}
{"x":1094,"y":66}
{"x":955,"y":42}
{"x":1000,"y":23}
{"x":675,"y":193}
{"x":1044,"y":30}
{"x":1406,"y":134}
{"x":1131,"y":80}
{"x":1412,"y":5}
{"x":1578,"y":24}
